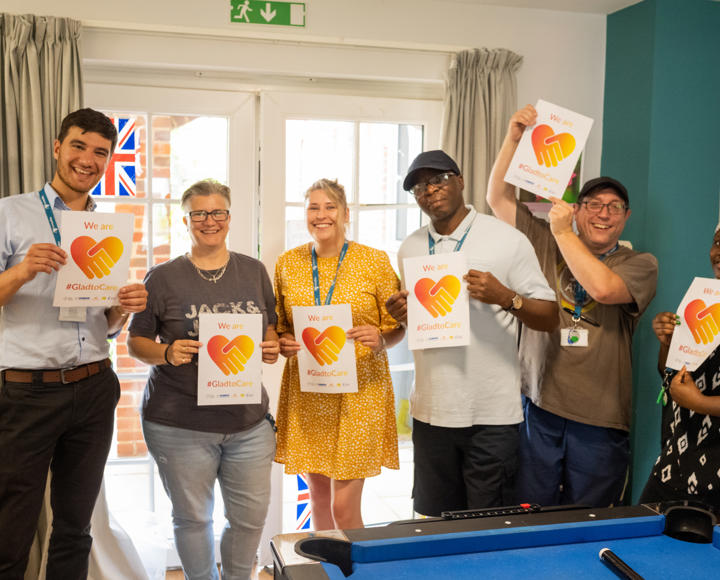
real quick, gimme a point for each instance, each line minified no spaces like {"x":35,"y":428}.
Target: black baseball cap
{"x":435,"y":159}
{"x":600,"y":183}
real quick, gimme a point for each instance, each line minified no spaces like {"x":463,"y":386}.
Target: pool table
{"x":544,"y":544}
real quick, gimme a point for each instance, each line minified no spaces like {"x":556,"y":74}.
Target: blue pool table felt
{"x":536,"y":553}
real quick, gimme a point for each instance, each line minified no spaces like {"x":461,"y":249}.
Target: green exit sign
{"x":260,"y":12}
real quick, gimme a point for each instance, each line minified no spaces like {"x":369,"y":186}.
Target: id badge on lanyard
{"x":65,"y":314}
{"x":575,"y":335}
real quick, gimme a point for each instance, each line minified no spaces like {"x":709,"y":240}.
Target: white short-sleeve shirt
{"x":478,"y":384}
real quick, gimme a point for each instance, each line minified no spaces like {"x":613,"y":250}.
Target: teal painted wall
{"x":661,"y":137}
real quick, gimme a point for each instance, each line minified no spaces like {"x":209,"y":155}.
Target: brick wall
{"x":130,"y":442}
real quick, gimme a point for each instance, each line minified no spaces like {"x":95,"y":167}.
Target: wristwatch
{"x":515,"y":304}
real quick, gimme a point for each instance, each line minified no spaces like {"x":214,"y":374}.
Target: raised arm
{"x":599,"y":281}
{"x":501,"y":195}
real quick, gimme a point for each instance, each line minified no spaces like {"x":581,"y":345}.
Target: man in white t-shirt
{"x":466,"y":400}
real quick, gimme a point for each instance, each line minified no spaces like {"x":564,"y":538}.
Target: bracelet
{"x":165,"y":355}
{"x":121,"y":310}
{"x":383,"y":342}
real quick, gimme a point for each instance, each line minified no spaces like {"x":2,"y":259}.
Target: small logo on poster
{"x":324,"y":346}
{"x":96,"y":259}
{"x":438,"y":298}
{"x":230,"y":356}
{"x":550,"y":147}
{"x":703,"y":321}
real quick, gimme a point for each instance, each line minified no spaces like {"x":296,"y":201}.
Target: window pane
{"x":386,"y":151}
{"x":386,"y":229}
{"x":296,"y":232}
{"x":187,"y":148}
{"x":129,"y":440}
{"x":128,"y":485}
{"x":126,"y":172}
{"x":138,"y":258}
{"x":317,"y":149}
{"x":170,"y":236}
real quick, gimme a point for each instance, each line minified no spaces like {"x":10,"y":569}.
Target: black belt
{"x":64,"y":376}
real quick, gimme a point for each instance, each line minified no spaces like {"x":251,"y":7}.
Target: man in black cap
{"x":466,"y":403}
{"x":574,"y":444}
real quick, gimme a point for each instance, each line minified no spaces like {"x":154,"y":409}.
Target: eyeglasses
{"x":441,"y":180}
{"x":614,"y":207}
{"x":219,"y":215}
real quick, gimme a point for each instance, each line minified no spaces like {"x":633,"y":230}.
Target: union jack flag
{"x":303,"y":504}
{"x":119,"y":178}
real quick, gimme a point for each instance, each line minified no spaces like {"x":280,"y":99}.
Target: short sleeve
{"x":268,"y":296}
{"x":6,"y":250}
{"x":526,"y":276}
{"x":387,"y":285}
{"x":283,"y":324}
{"x":639,"y":273}
{"x":537,"y":230}
{"x":146,"y":323}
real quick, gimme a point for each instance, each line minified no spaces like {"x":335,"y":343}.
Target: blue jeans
{"x":189,"y":462}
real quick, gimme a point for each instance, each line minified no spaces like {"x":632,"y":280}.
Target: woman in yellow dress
{"x":337,"y":439}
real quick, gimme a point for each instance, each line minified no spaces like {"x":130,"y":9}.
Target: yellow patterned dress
{"x":349,"y":435}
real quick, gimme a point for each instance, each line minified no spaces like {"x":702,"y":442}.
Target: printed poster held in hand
{"x":548,"y":151}
{"x":230,"y":360}
{"x":699,"y":331}
{"x":326,"y":360}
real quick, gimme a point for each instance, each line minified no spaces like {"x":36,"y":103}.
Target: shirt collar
{"x":457,"y":234}
{"x":57,"y":203}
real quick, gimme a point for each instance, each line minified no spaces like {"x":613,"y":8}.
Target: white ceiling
{"x":590,"y":6}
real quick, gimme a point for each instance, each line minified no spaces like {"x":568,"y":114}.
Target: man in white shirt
{"x":466,"y":400}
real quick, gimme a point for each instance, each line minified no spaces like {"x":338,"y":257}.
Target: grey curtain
{"x":481,"y":97}
{"x":40,"y":83}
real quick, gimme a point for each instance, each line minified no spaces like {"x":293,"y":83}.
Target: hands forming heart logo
{"x":438,"y":298}
{"x":230,"y":356}
{"x":704,"y":322}
{"x":551,"y":148}
{"x":96,"y":259}
{"x":324,"y":346}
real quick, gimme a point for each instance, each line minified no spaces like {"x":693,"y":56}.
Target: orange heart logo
{"x":230,"y":356}
{"x":438,"y":298}
{"x":704,"y":322}
{"x":324,"y":346}
{"x":551,"y":148}
{"x":96,"y":259}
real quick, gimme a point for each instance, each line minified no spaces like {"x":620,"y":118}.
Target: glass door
{"x":367,"y":145}
{"x":168,"y":139}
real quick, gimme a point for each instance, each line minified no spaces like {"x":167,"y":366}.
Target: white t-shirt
{"x":478,"y":384}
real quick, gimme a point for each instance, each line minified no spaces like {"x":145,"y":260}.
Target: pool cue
{"x":616,"y":564}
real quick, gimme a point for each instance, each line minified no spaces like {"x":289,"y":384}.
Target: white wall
{"x":396,"y":47}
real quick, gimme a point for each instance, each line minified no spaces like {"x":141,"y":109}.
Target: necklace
{"x":206,"y":275}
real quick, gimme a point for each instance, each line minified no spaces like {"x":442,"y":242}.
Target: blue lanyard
{"x":431,"y":241}
{"x":581,"y":293}
{"x":316,"y":276}
{"x":50,"y":216}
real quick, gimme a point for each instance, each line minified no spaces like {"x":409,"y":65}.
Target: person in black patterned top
{"x":688,"y":467}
